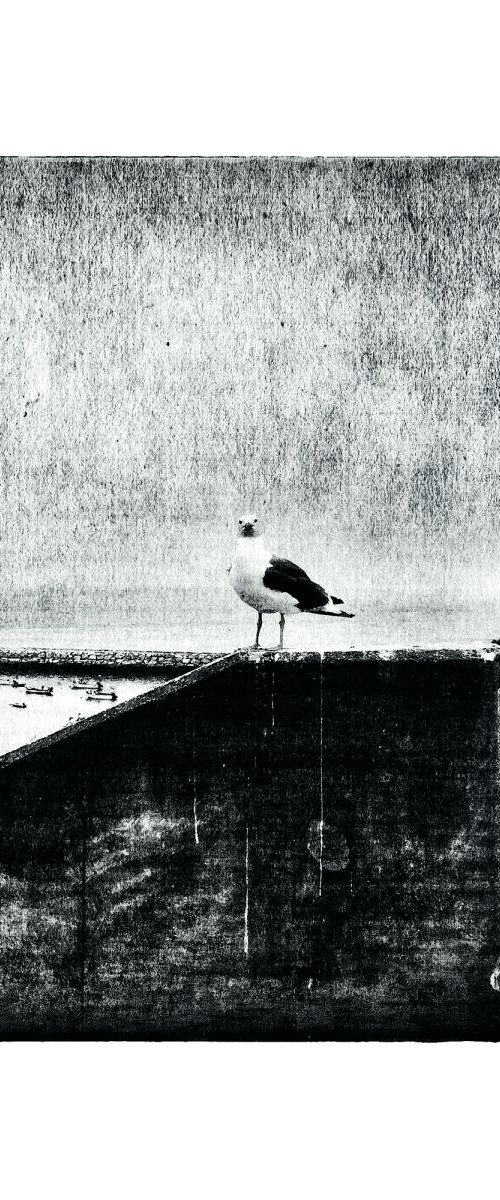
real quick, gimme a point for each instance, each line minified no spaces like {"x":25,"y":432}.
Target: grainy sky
{"x":317,"y":339}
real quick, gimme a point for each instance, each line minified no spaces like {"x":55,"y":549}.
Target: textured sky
{"x":319,"y":340}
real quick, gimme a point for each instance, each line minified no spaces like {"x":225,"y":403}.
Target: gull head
{"x":249,"y":526}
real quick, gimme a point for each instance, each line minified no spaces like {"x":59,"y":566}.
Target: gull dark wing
{"x":288,"y":568}
{"x":284,"y":576}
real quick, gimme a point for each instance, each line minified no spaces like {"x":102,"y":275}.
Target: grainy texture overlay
{"x":182,"y":339}
{"x":291,"y":845}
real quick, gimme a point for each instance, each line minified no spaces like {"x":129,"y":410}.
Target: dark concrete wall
{"x":166,"y":874}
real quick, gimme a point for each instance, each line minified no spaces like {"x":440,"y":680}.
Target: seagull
{"x":274,"y":585}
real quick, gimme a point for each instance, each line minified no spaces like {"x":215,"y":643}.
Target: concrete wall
{"x":166,"y":873}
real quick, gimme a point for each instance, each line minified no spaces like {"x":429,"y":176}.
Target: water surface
{"x":216,"y":625}
{"x":44,"y":715}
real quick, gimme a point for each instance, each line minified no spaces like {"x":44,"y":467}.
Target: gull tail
{"x":324,"y":612}
{"x":328,"y":610}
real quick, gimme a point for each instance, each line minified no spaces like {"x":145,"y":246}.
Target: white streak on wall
{"x":196,"y":838}
{"x":195,"y":814}
{"x":245,"y":937}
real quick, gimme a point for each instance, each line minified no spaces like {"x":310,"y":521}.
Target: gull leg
{"x":282,"y":629}
{"x":259,"y":627}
